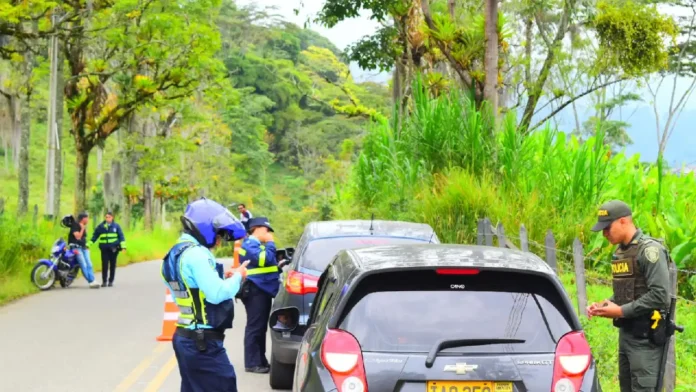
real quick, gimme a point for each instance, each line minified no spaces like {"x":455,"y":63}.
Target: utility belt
{"x":246,"y":290}
{"x":200,"y":336}
{"x":652,"y":326}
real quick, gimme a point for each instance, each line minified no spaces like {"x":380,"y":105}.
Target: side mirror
{"x":284,"y":319}
{"x":284,"y":256}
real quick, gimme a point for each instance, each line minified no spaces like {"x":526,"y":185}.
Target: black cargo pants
{"x":108,"y":257}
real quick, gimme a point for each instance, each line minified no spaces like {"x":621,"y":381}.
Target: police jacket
{"x":263,"y":269}
{"x":109,"y":235}
{"x":195,"y":279}
{"x":640,"y":276}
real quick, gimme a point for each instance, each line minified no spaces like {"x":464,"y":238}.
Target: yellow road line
{"x":140,"y":369}
{"x":161,"y":376}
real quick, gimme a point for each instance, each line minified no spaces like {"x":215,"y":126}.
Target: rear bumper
{"x":285,"y":349}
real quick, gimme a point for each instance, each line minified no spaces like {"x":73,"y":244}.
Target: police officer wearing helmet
{"x":260,"y":288}
{"x":639,"y":306}
{"x":204,"y":296}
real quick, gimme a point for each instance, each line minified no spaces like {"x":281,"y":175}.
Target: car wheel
{"x":281,"y":374}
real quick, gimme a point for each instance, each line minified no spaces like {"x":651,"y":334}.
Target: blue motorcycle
{"x":63,"y":266}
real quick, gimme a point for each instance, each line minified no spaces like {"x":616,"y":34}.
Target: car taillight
{"x":342,"y":356}
{"x":299,"y":283}
{"x":572,"y":361}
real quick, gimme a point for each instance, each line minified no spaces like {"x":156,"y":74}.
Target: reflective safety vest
{"x":261,"y":269}
{"x":193,"y":307}
{"x":264,"y":277}
{"x":108,"y":235}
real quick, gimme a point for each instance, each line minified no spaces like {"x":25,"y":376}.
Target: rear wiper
{"x":444,"y":344}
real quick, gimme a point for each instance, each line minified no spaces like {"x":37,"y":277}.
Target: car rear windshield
{"x":321,"y":251}
{"x":411,"y":311}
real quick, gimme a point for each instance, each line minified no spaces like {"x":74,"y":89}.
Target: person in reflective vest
{"x":111,"y":242}
{"x":204,"y":295}
{"x":257,"y":295}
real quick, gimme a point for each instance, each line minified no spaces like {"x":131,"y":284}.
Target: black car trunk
{"x":482,"y":330}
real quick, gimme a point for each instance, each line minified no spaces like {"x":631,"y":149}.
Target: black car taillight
{"x":572,"y":360}
{"x":301,"y":284}
{"x":342,"y":356}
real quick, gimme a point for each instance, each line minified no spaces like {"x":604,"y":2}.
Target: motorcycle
{"x":63,"y":266}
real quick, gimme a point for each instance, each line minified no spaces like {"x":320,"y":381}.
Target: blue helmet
{"x":204,"y":219}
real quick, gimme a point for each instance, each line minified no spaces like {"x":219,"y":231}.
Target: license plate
{"x":468,"y":386}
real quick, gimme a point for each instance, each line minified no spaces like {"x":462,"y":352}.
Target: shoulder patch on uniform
{"x":652,"y":253}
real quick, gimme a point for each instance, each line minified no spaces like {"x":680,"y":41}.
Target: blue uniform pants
{"x":204,"y":371}
{"x":258,"y":311}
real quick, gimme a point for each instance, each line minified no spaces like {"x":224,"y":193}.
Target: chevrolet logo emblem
{"x":460,"y":368}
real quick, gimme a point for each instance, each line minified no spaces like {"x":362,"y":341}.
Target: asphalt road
{"x":81,"y":339}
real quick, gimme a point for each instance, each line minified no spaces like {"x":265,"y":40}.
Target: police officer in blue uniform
{"x":204,"y":296}
{"x":260,"y":288}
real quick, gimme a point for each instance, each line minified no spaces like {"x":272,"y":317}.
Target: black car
{"x":440,"y":318}
{"x":319,"y":243}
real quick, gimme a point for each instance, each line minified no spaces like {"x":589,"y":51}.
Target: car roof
{"x":347,"y":228}
{"x":375,"y":258}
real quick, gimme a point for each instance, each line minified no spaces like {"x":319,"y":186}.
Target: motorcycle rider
{"x":205,"y":298}
{"x":78,"y":239}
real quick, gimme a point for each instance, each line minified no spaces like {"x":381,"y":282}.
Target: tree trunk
{"x":23,"y":123}
{"x":147,"y":197}
{"x":490,"y":88}
{"x":537,"y":89}
{"x":60,"y":151}
{"x":81,"y":162}
{"x":51,"y":140}
{"x":100,"y":158}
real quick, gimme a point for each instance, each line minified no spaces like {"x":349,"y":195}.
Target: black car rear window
{"x":320,"y":252}
{"x":411,"y":311}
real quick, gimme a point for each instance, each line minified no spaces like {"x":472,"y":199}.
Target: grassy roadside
{"x":22,"y":243}
{"x":603,"y":339}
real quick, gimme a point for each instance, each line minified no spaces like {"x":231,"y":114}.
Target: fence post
{"x":488,"y":232}
{"x":524,"y":241}
{"x":36,"y":214}
{"x":501,"y":235}
{"x":479,"y":232}
{"x":670,"y":377}
{"x":579,"y":261}
{"x":550,"y":245}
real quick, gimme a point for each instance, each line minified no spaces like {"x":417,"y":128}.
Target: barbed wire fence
{"x":487,"y":232}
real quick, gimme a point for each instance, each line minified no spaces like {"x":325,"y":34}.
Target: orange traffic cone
{"x":237,"y":247}
{"x":171,"y":314}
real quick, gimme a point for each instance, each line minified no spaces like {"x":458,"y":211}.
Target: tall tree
{"x":124,"y":55}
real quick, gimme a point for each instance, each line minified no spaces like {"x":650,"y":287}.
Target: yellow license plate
{"x":468,"y":386}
